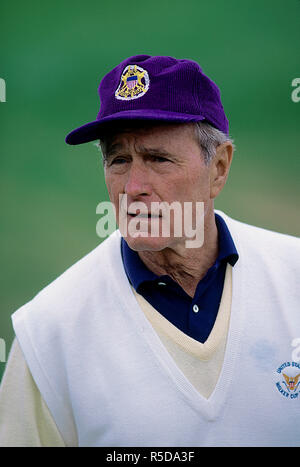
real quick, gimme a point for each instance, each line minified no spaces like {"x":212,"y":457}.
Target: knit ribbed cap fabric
{"x":156,"y":88}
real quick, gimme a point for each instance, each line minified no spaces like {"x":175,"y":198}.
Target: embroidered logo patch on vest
{"x":134,"y":83}
{"x":289,"y":384}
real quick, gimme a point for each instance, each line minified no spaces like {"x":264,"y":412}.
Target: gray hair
{"x":207,"y":136}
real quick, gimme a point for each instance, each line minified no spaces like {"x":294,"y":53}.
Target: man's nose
{"x":138,"y":182}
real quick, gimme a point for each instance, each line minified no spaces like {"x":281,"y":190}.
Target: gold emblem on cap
{"x":134,"y":83}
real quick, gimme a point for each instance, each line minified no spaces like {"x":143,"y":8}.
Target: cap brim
{"x":93,"y":130}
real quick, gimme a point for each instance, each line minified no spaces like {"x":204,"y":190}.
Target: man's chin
{"x":147,"y":243}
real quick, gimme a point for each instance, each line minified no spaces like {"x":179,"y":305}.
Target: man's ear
{"x":219,"y":168}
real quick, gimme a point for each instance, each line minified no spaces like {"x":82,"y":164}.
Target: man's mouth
{"x":144,"y":215}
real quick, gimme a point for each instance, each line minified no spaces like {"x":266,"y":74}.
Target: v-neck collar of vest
{"x":203,"y":351}
{"x":208,"y":407}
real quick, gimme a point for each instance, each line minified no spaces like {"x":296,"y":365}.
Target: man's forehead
{"x":119,"y":135}
{"x":167,"y":140}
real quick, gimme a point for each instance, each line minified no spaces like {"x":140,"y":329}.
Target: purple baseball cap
{"x":145,"y":87}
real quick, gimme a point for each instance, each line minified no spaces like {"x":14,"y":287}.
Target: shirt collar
{"x":138,"y":273}
{"x":227,"y":249}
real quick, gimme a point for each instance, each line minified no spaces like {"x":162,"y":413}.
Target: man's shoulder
{"x":75,"y":285}
{"x":261,"y":240}
{"x":92,"y":265}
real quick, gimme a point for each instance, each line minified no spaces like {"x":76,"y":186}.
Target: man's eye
{"x":159,"y":159}
{"x":118,"y":161}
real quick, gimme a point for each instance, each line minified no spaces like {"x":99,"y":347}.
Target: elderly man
{"x":151,"y":339}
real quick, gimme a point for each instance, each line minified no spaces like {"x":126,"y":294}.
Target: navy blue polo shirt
{"x":194,"y":316}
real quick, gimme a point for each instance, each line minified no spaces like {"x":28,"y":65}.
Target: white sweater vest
{"x":109,"y":381}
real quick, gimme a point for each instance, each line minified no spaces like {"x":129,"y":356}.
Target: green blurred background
{"x":53,"y":55}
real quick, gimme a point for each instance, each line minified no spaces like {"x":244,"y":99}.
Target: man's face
{"x":150,"y":166}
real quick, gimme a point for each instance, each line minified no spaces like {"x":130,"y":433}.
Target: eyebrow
{"x":113,"y":149}
{"x":117,"y":148}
